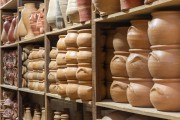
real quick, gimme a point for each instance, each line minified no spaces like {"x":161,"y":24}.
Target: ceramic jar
{"x":31,"y":75}
{"x":84,"y":55}
{"x":139,"y":88}
{"x":61,"y":45}
{"x":30,"y":84}
{"x":128,"y":4}
{"x":28,"y":114}
{"x":118,"y":89}
{"x":158,"y":30}
{"x":30,"y":65}
{"x":64,"y":117}
{"x":57,"y":115}
{"x":53,"y":53}
{"x":118,"y":64}
{"x":160,"y":60}
{"x":84,"y":38}
{"x":165,"y":95}
{"x":4,"y":33}
{"x":116,"y":115}
{"x":38,"y":65}
{"x":52,"y":76}
{"x":33,"y":54}
{"x":71,"y":56}
{"x":137,"y":36}
{"x":72,"y":89}
{"x":35,"y":85}
{"x":41,"y":52}
{"x":63,"y":7}
{"x":61,"y":73}
{"x":10,"y":35}
{"x":53,"y":88}
{"x":15,"y":35}
{"x":70,"y":71}
{"x":84,"y":72}
{"x":6,"y":26}
{"x":137,"y":64}
{"x":41,"y":86}
{"x":40,"y":75}
{"x":61,"y":58}
{"x":62,"y":88}
{"x":33,"y":23}
{"x":53,"y":64}
{"x":85,"y":90}
{"x":120,"y":39}
{"x":148,"y":1}
{"x":71,"y":38}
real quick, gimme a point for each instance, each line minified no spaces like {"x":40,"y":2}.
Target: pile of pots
{"x":37,"y":114}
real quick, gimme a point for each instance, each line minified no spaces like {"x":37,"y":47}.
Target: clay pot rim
{"x":62,"y":51}
{"x":72,"y":31}
{"x":121,"y":53}
{"x":85,"y":48}
{"x":72,"y":81}
{"x":164,"y":12}
{"x":139,"y":50}
{"x":72,"y":48}
{"x":145,"y":21}
{"x":85,"y":31}
{"x":170,"y":80}
{"x":84,"y":65}
{"x":29,"y":4}
{"x":120,"y":78}
{"x":61,"y":66}
{"x":140,"y":80}
{"x":41,"y":81}
{"x":161,"y":47}
{"x":71,"y":65}
{"x":62,"y":36}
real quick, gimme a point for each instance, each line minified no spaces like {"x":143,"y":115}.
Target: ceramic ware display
{"x":84,"y":38}
{"x":128,"y":4}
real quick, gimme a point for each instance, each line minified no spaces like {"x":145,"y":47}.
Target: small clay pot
{"x":40,"y":75}
{"x":84,"y":38}
{"x":52,"y":76}
{"x":30,"y":65}
{"x":33,"y":54}
{"x":85,"y":90}
{"x":53,"y":64}
{"x":38,"y":65}
{"x":116,"y":115}
{"x":128,"y":4}
{"x":61,"y":45}
{"x":53,"y":53}
{"x":61,"y":73}
{"x":31,"y":84}
{"x":53,"y":88}
{"x":84,"y":72}
{"x":41,"y":86}
{"x":84,"y":55}
{"x":70,"y":71}
{"x":71,"y":56}
{"x":31,"y":75}
{"x":72,"y":89}
{"x":57,"y":115}
{"x":61,"y":58}
{"x":41,"y":52}
{"x":36,"y":85}
{"x":71,"y":38}
{"x":62,"y":88}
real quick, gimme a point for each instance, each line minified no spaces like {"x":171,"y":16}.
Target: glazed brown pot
{"x":84,"y":55}
{"x":71,"y":38}
{"x":137,"y":64}
{"x":71,"y":56}
{"x":148,"y":1}
{"x":85,"y":90}
{"x":61,"y":58}
{"x":161,"y":59}
{"x":158,"y":30}
{"x":53,"y":88}
{"x":118,"y":64}
{"x":52,"y":76}
{"x":84,"y":72}
{"x":53,"y":53}
{"x":70,"y":71}
{"x":137,"y":36}
{"x":53,"y":64}
{"x":165,"y":94}
{"x":84,"y":38}
{"x":128,"y":4}
{"x":61,"y":73}
{"x":61,"y":45}
{"x":118,"y":89}
{"x":139,"y":88}
{"x":62,"y":88}
{"x":116,"y":115}
{"x":72,"y":89}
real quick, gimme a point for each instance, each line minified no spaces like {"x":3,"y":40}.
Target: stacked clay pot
{"x":137,"y":64}
{"x":164,"y":61}
{"x":118,"y":70}
{"x":36,"y":74}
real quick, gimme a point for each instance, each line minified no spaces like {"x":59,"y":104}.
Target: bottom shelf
{"x":143,"y":111}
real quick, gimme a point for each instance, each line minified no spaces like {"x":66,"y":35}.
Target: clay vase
{"x":120,"y":39}
{"x":118,"y":89}
{"x":64,"y":117}
{"x":85,"y":90}
{"x":72,"y":89}
{"x":29,"y":8}
{"x":128,"y":4}
{"x":61,"y":58}
{"x":40,"y":20}
{"x":6,"y":26}
{"x":53,"y":64}
{"x":70,"y":71}
{"x":41,"y":52}
{"x":33,"y":23}
{"x":139,"y":88}
{"x":158,"y":30}
{"x":84,"y":38}
{"x":61,"y":43}
{"x":43,"y":114}
{"x":160,"y":60}
{"x":52,"y":76}
{"x":41,"y":86}
{"x":137,"y":64}
{"x":53,"y":88}
{"x":71,"y":38}
{"x":137,"y":36}
{"x":118,"y":64}
{"x":71,"y":56}
{"x":53,"y":53}
{"x":106,"y":7}
{"x":72,"y":12}
{"x":15,"y":35}
{"x":57,"y":115}
{"x":160,"y":92}
{"x":61,"y":73}
{"x":4,"y":33}
{"x":140,"y":117}
{"x":148,"y":1}
{"x":84,"y":8}
{"x":62,"y":88}
{"x":84,"y":55}
{"x":53,"y":12}
{"x":84,"y":72}
{"x":116,"y":115}
{"x":10,"y":35}
{"x":28,"y":114}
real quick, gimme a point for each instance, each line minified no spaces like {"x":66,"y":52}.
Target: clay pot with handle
{"x":72,"y":89}
{"x":84,"y":72}
{"x":85,"y":90}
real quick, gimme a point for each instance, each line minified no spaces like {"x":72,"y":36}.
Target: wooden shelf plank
{"x":9,"y":45}
{"x":11,"y":4}
{"x":143,"y":111}
{"x":31,"y":91}
{"x":38,"y":38}
{"x":9,"y":87}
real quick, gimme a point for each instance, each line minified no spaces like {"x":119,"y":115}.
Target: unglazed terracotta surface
{"x":85,"y":90}
{"x":61,"y":45}
{"x":71,"y":38}
{"x":84,"y":55}
{"x":84,"y":72}
{"x":84,"y":38}
{"x":72,"y":89}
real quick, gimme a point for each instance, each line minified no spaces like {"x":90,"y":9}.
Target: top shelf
{"x":11,"y":4}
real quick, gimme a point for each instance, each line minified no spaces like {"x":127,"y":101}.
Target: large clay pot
{"x":148,"y":1}
{"x":116,"y":115}
{"x":61,"y":58}
{"x":53,"y":88}
{"x":61,"y":45}
{"x":28,"y":114}
{"x":29,"y":8}
{"x":84,"y":38}
{"x":84,"y":55}
{"x":118,"y":89}
{"x":62,"y":88}
{"x":10,"y":35}
{"x":120,"y":39}
{"x":53,"y":65}
{"x":72,"y":89}
{"x":52,"y":76}
{"x":53,"y":53}
{"x":84,"y":72}
{"x":61,"y":73}
{"x":128,"y":4}
{"x":140,"y":117}
{"x":57,"y":115}
{"x":137,"y":64}
{"x":85,"y":90}
{"x":71,"y":56}
{"x":158,"y":30}
{"x":41,"y":86}
{"x":63,"y":7}
{"x":165,"y":94}
{"x":137,"y":36}
{"x":106,"y":7}
{"x":70,"y":71}
{"x":71,"y":38}
{"x":84,"y":8}
{"x":161,"y":59}
{"x":4,"y":33}
{"x":118,"y":64}
{"x":139,"y":88}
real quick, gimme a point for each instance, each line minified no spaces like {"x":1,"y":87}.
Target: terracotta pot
{"x":24,"y":83}
{"x":53,"y":65}
{"x":116,"y":115}
{"x":6,"y":26}
{"x":53,"y":53}
{"x":137,"y":36}
{"x":137,"y":64}
{"x":61,"y":58}
{"x":71,"y":38}
{"x":38,"y":116}
{"x":160,"y":60}
{"x":4,"y":33}
{"x":15,"y":35}
{"x":109,"y":55}
{"x":30,"y":75}
{"x":71,"y":56}
{"x":165,"y":94}
{"x":61,"y":45}
{"x":41,"y":75}
{"x":61,"y":73}
{"x":84,"y":72}
{"x":36,"y":85}
{"x":57,"y":115}
{"x":84,"y":38}
{"x":33,"y":54}
{"x":28,"y":114}
{"x":41,"y":52}
{"x":140,"y":117}
{"x":62,"y":88}
{"x":53,"y":88}
{"x":64,"y":117}
{"x":84,"y":55}
{"x":41,"y":86}
{"x":118,"y":64}
{"x":139,"y":88}
{"x":40,"y":21}
{"x":30,"y":65}
{"x":158,"y":30}
{"x":38,"y":65}
{"x":128,"y":4}
{"x":120,"y":39}
{"x":70,"y":71}
{"x":43,"y":114}
{"x":109,"y":38}
{"x":108,"y":86}
{"x":85,"y":90}
{"x":148,"y":1}
{"x":33,"y":22}
{"x":10,"y":35}
{"x":52,"y":76}
{"x":72,"y":89}
{"x":106,"y":7}
{"x":118,"y":89}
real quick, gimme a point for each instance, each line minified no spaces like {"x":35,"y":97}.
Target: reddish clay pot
{"x":70,"y":71}
{"x":140,"y":117}
{"x":53,"y":65}
{"x":137,"y":64}
{"x":61,"y":45}
{"x":84,"y":55}
{"x":118,"y":64}
{"x":139,"y":88}
{"x":6,"y":27}
{"x":53,"y":88}
{"x":165,"y":94}
{"x":84,"y":72}
{"x":62,"y":88}
{"x":72,"y":89}
{"x":53,"y":53}
{"x":158,"y":30}
{"x":85,"y":90}
{"x":128,"y":4}
{"x":148,"y":1}
{"x":71,"y":56}
{"x":137,"y":36}
{"x":84,"y":38}
{"x":116,"y":115}
{"x":61,"y":58}
{"x":161,"y":59}
{"x":118,"y":89}
{"x":71,"y":38}
{"x":11,"y":30}
{"x":61,"y":73}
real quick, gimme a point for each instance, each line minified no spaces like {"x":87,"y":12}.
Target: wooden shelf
{"x":143,"y":111}
{"x":38,"y":38}
{"x":9,"y":45}
{"x":9,"y":87}
{"x":11,"y":4}
{"x":31,"y":91}
{"x":140,"y":10}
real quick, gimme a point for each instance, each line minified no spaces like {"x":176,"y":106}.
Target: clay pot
{"x":64,"y":117}
{"x":36,"y":85}
{"x":38,"y":65}
{"x":137,"y":36}
{"x":84,"y":72}
{"x":33,"y":54}
{"x":52,"y":76}
{"x":40,"y":75}
{"x":61,"y":58}
{"x":72,"y":89}
{"x":84,"y":55}
{"x":41,"y":86}
{"x":53,"y":53}
{"x":158,"y":30}
{"x":61,"y":73}
{"x":118,"y":64}
{"x":6,"y":26}
{"x":24,"y":83}
{"x":120,"y":39}
{"x":165,"y":94}
{"x":4,"y":33}
{"x":28,"y":114}
{"x":30,"y":84}
{"x":109,"y":38}
{"x":70,"y":71}
{"x":148,"y":1}
{"x":85,"y":90}
{"x":116,"y":115}
{"x":37,"y":116}
{"x":84,"y":8}
{"x":41,"y":52}
{"x":160,"y":60}
{"x":71,"y":38}
{"x":53,"y":88}
{"x":53,"y":65}
{"x":10,"y":35}
{"x":57,"y":115}
{"x":62,"y":88}
{"x":84,"y":38}
{"x":15,"y":35}
{"x":128,"y":4}
{"x":61,"y":45}
{"x":106,"y":7}
{"x":137,"y":64}
{"x":118,"y":89}
{"x":63,"y":7}
{"x":40,"y":21}
{"x":71,"y":56}
{"x":33,"y":22}
{"x":30,"y":65}
{"x":140,"y":117}
{"x":139,"y":88}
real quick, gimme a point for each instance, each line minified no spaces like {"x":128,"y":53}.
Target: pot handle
{"x":82,"y":69}
{"x":137,"y":57}
{"x":131,"y":88}
{"x":159,"y":91}
{"x":68,"y":20}
{"x":119,"y":57}
{"x":154,"y":56}
{"x":131,"y":27}
{"x":121,"y":87}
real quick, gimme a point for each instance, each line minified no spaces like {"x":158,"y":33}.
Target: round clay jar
{"x":53,"y":53}
{"x":118,"y":89}
{"x":61,"y":45}
{"x":62,"y":88}
{"x":109,"y":55}
{"x":53,"y":64}
{"x":116,"y":115}
{"x":164,"y":61}
{"x":137,"y":63}
{"x":139,"y":88}
{"x":71,"y":38}
{"x":41,"y":86}
{"x":36,"y":85}
{"x":34,"y":54}
{"x":72,"y":89}
{"x":38,"y":64}
{"x":84,"y":72}
{"x":84,"y":55}
{"x":165,"y":95}
{"x":71,"y":56}
{"x":30,"y":84}
{"x":41,"y":75}
{"x":52,"y":76}
{"x":61,"y":58}
{"x":53,"y":88}
{"x":85,"y":90}
{"x":31,"y":75}
{"x":30,"y":55}
{"x":30,"y":65}
{"x":84,"y":38}
{"x":41,"y":52}
{"x":70,"y":71}
{"x":61,"y":73}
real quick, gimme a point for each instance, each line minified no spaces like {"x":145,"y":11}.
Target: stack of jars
{"x":164,"y":60}
{"x":137,"y":64}
{"x":36,"y":116}
{"x":36,"y":74}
